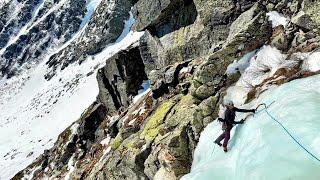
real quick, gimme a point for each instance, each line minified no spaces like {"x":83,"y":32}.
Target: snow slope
{"x":260,"y":149}
{"x":34,"y":111}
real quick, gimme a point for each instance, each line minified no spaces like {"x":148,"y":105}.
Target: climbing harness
{"x":284,"y":128}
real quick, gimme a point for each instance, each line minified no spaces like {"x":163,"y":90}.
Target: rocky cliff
{"x":185,"y":52}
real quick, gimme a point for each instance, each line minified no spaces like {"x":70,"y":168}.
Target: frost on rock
{"x":260,"y":149}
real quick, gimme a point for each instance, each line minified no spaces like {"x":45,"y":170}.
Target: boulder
{"x":248,"y":32}
{"x":303,"y":20}
{"x":208,"y":106}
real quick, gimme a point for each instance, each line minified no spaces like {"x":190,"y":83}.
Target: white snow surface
{"x":312,"y":62}
{"x":277,"y":19}
{"x":263,"y":65}
{"x":240,"y":65}
{"x":33,"y":111}
{"x":260,"y":149}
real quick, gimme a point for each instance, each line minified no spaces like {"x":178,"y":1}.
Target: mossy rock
{"x":207,"y":120}
{"x":204,"y":92}
{"x":312,"y":8}
{"x":186,"y":115}
{"x":188,"y":100}
{"x":116,"y":142}
{"x":151,"y":128}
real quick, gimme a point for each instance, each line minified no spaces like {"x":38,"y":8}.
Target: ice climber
{"x":228,"y":122}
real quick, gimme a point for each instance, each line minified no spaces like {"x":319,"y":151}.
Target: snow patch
{"x":263,"y":65}
{"x":71,"y":168}
{"x":240,"y":65}
{"x":312,"y":63}
{"x":277,"y":19}
{"x":105,"y":141}
{"x":74,"y":128}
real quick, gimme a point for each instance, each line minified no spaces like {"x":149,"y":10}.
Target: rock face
{"x":121,"y":79}
{"x":185,"y":52}
{"x":183,"y":33}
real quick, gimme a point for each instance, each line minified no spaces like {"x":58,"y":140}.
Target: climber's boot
{"x":219,"y":144}
{"x":225,"y":149}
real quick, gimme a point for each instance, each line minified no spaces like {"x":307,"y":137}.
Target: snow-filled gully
{"x":29,"y":114}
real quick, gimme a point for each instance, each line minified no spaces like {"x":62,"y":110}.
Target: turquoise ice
{"x":260,"y":149}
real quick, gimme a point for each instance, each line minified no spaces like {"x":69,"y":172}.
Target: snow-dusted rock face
{"x":103,"y":28}
{"x":113,"y":103}
{"x":29,"y":29}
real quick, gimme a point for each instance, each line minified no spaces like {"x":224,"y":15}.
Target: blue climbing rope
{"x":286,"y":130}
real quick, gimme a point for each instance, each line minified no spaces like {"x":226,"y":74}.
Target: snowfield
{"x":35,"y":111}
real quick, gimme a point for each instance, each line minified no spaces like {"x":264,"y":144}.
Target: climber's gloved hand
{"x":242,"y":121}
{"x":220,"y":119}
{"x":253,"y":110}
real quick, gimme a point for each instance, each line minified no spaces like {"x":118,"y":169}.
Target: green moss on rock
{"x":151,"y":129}
{"x":116,"y":142}
{"x":313,"y":10}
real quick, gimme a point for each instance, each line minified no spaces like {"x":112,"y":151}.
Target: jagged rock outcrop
{"x":121,"y":79}
{"x":308,"y":17}
{"x":243,"y":37}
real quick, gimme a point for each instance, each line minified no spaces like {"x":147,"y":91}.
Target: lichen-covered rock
{"x":311,"y":8}
{"x":186,"y":32}
{"x":163,"y":173}
{"x":151,"y":129}
{"x":303,"y":20}
{"x":204,"y":91}
{"x":208,"y":105}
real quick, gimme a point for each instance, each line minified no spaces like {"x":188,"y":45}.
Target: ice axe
{"x":262,"y":104}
